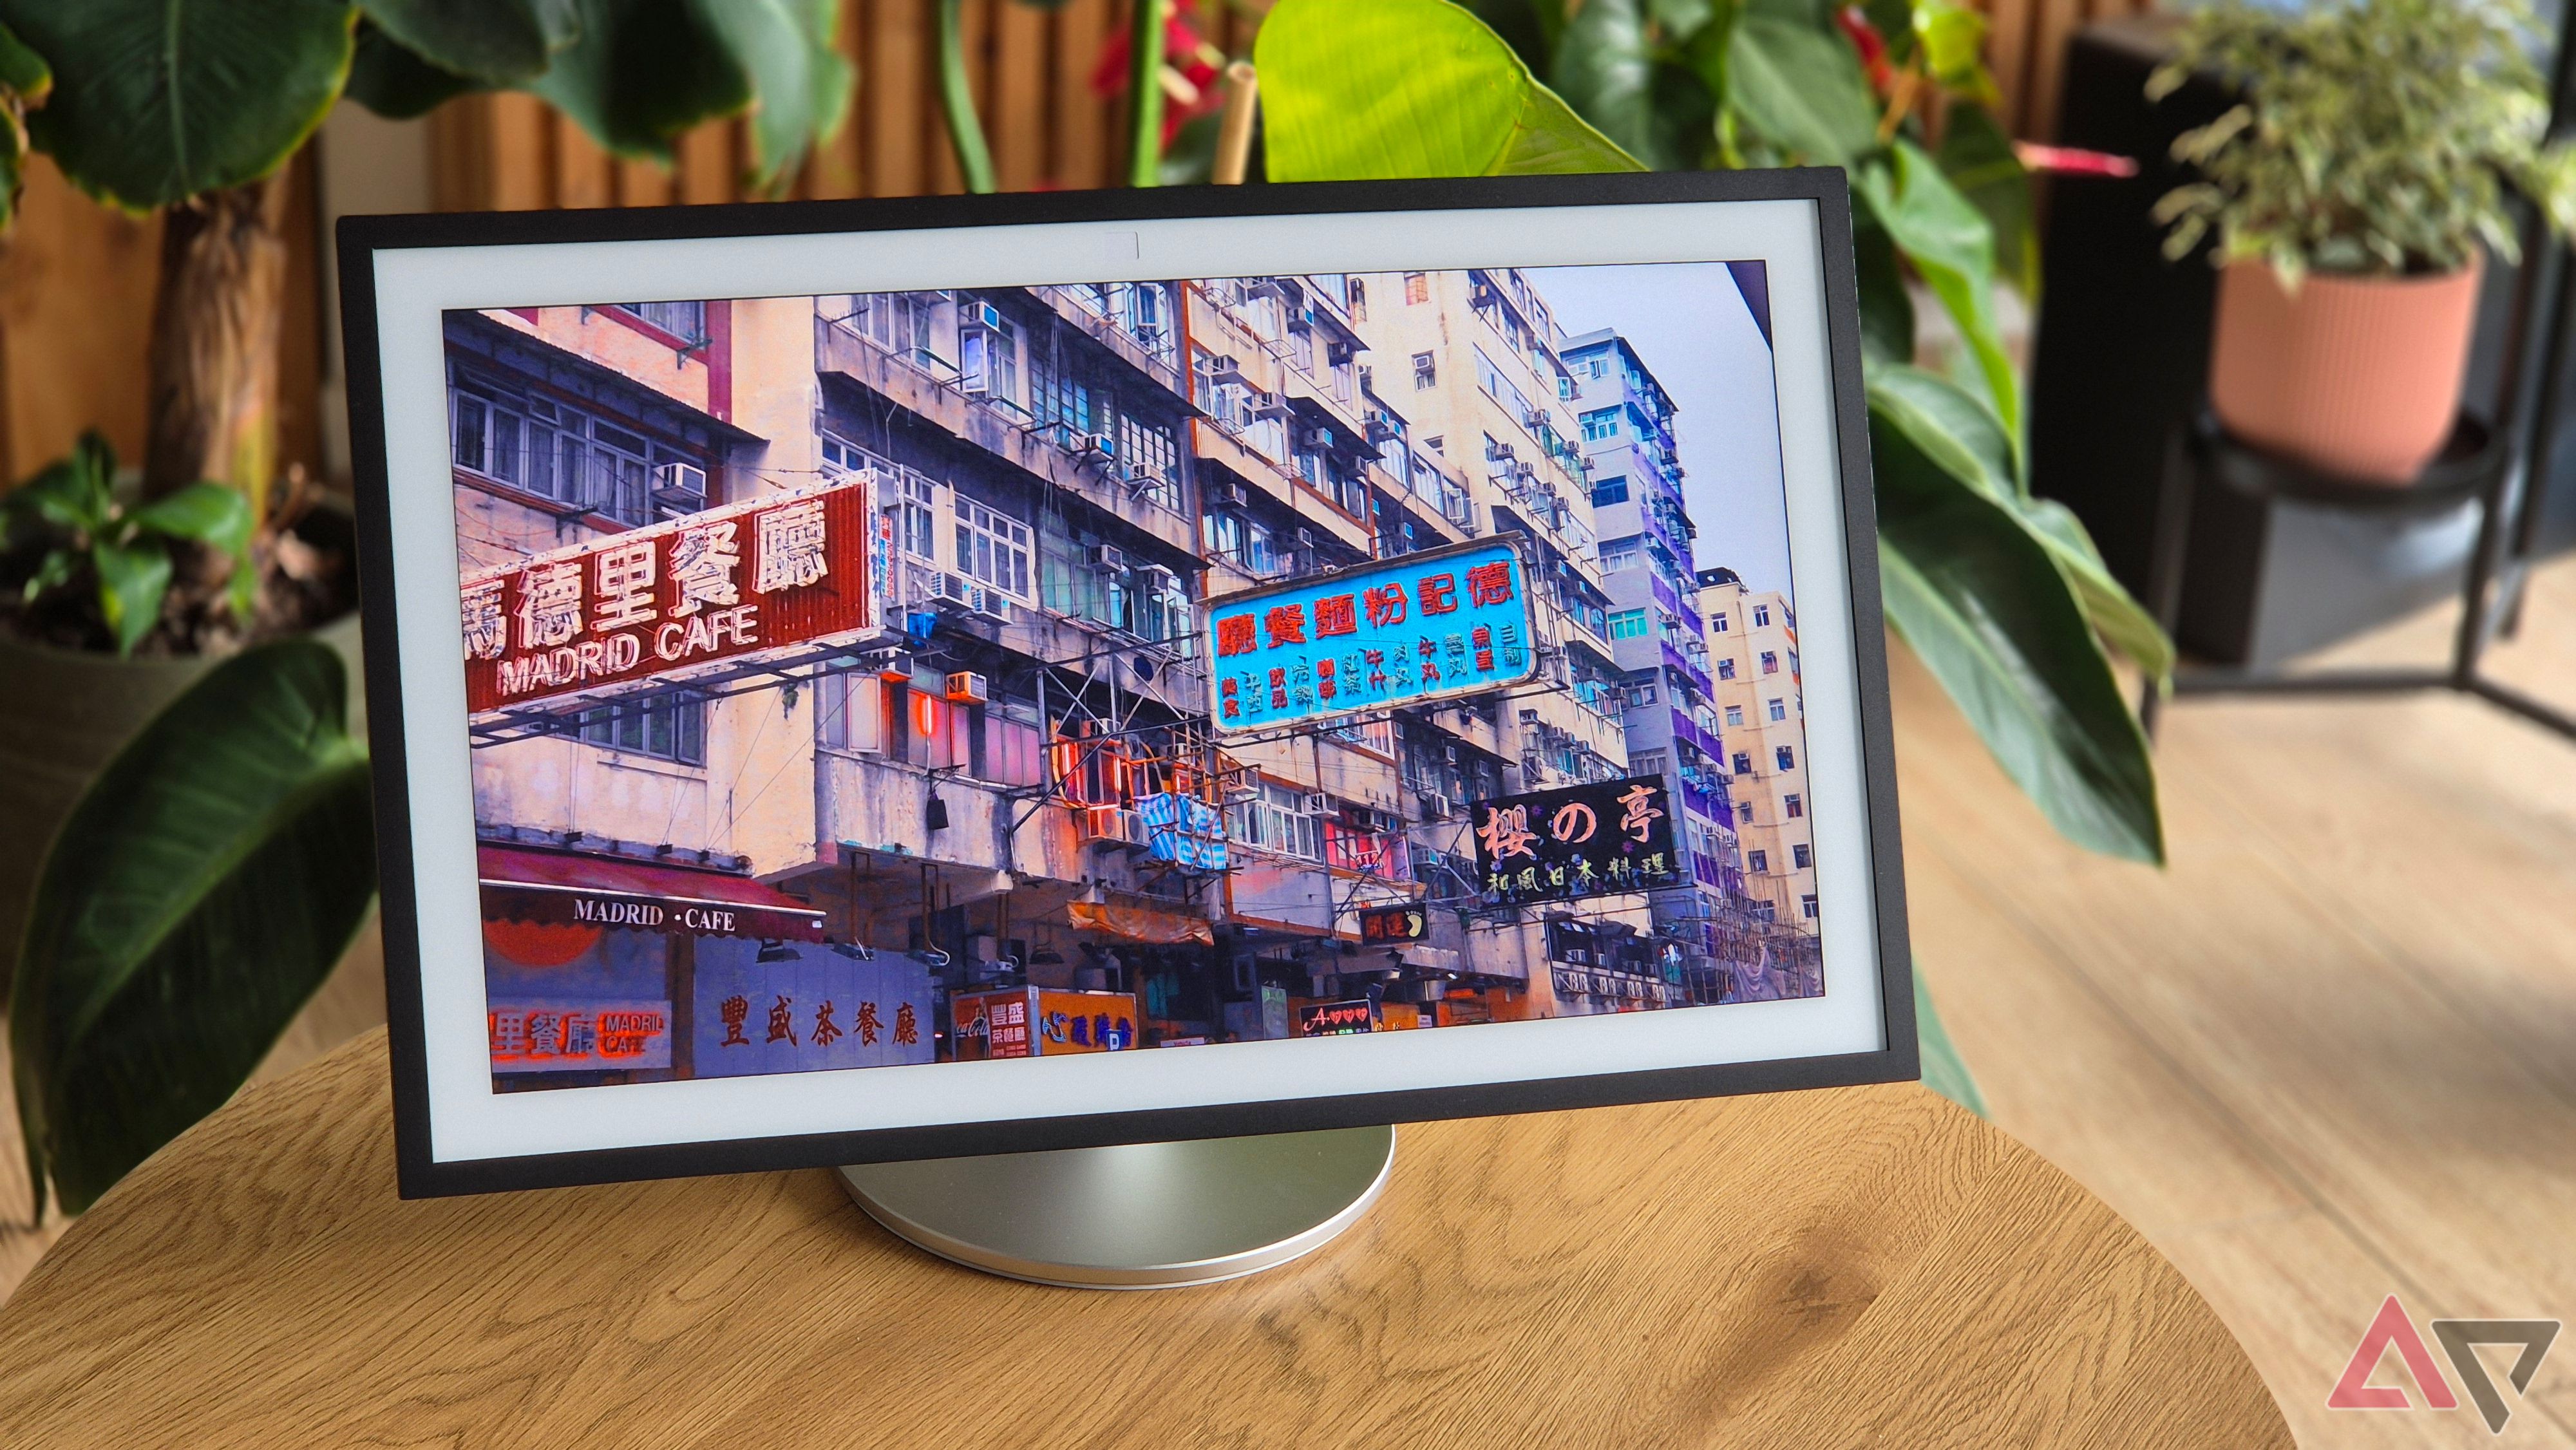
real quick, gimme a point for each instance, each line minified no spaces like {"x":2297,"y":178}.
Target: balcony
{"x":1385,"y":856}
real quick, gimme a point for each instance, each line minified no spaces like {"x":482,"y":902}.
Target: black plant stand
{"x":2476,"y":464}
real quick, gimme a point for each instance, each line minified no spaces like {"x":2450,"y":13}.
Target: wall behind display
{"x":76,"y":279}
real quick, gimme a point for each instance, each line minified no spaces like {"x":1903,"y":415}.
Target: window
{"x":1761,"y":615}
{"x":686,"y":321}
{"x":1803,"y":854}
{"x":988,"y":352}
{"x":1735,"y":714}
{"x":993,"y":547}
{"x":555,"y":451}
{"x":1628,"y":624}
{"x":1417,"y":288}
{"x":1646,"y":762}
{"x":1793,"y":806}
{"x":670,"y":728}
{"x":1610,"y":491}
{"x":1622,"y":554}
{"x":1770,"y":663}
{"x":1744,"y":813}
{"x":1600,"y":425}
{"x":1788,"y":758}
{"x":1355,"y":297}
{"x":1726,"y":669}
{"x":1426,"y":370}
{"x":899,"y":322}
{"x":1757,"y":862}
{"x":1600,"y":367}
{"x":1640,"y":695}
{"x":1779,"y":708}
{"x":1743,"y":763}
{"x":1807,"y":905}
{"x":1500,"y":388}
{"x":1717,"y":622}
{"x":1276,"y":819}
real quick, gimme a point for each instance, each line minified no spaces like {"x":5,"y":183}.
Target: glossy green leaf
{"x":495,"y":42}
{"x":1978,"y":158}
{"x":24,"y":80}
{"x":1409,"y":88}
{"x":207,"y":512}
{"x":1954,"y":43}
{"x":1886,"y":308}
{"x":1944,"y":1071}
{"x":1608,"y":69}
{"x":1801,"y":88}
{"x":1984,"y":604}
{"x":1962,"y":437}
{"x":23,"y":73}
{"x":802,"y":82}
{"x":397,"y":84}
{"x":132,"y":580}
{"x":73,"y":492}
{"x":641,"y":73}
{"x":197,"y":895}
{"x":1953,"y":251}
{"x":155,"y":101}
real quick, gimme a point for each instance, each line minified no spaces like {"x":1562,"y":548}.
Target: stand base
{"x":1137,"y":1216}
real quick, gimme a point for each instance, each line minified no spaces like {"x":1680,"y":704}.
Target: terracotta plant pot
{"x":2358,"y":376}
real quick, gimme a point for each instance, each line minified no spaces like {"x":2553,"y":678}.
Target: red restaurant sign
{"x":781,"y":569}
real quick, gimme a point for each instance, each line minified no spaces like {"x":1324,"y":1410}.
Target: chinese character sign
{"x":756,"y":575}
{"x":1584,"y":840}
{"x":1426,"y":626}
{"x":808,"y":1008}
{"x":579,"y":1036}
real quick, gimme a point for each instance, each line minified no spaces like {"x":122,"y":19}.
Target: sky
{"x":1690,"y":327}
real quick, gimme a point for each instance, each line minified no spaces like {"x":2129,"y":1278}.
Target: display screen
{"x":950,"y":676}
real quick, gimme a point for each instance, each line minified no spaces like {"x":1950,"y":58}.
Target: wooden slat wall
{"x":76,"y":279}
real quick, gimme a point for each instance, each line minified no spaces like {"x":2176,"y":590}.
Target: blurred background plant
{"x":2376,"y":136}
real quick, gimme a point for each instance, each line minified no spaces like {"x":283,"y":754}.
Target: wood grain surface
{"x":1864,"y":1266}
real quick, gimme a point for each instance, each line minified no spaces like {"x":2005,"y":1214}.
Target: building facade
{"x":1753,"y":645}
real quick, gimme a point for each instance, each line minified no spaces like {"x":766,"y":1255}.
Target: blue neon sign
{"x":1428,"y":626}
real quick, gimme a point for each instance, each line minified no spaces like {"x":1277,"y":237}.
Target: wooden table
{"x":1862,"y":1266}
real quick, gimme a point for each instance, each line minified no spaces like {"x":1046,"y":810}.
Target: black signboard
{"x":1385,"y":925}
{"x":1579,"y":841}
{"x":1336,"y":1019}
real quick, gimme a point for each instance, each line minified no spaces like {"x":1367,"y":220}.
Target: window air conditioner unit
{"x":982,"y":314}
{"x":1224,"y":371}
{"x":993,"y":604}
{"x":1094,"y":447}
{"x":1318,"y":803}
{"x":1435,"y":805}
{"x":1305,"y":537}
{"x":680,"y":486}
{"x":1269,"y":405}
{"x":1226,"y":494}
{"x":965,"y":687}
{"x":1105,"y":557}
{"x":1316,"y":437}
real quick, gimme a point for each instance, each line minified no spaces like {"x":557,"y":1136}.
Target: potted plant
{"x":2352,"y":196}
{"x":120,"y":590}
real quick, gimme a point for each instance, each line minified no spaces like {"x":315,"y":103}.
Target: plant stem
{"x":1234,"y":133}
{"x":957,"y":100}
{"x":1145,"y":94}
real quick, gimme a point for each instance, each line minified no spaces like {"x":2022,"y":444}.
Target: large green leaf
{"x":1985,"y":605}
{"x":496,"y":42}
{"x":24,"y":81}
{"x":802,"y":81}
{"x":1800,"y":86}
{"x":1409,"y":88}
{"x":1953,"y":251}
{"x":1607,"y":68}
{"x":1965,"y":440}
{"x":397,"y":83}
{"x":641,"y":73}
{"x":132,"y":580}
{"x":155,"y":101}
{"x":197,"y":895}
{"x":1978,"y":157}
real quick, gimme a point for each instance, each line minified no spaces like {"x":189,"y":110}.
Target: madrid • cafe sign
{"x":1427,"y":626}
{"x":777,"y":570}
{"x":1578,"y":841}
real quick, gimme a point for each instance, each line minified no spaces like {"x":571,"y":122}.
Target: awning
{"x":568,"y":888}
{"x":1136,"y":923}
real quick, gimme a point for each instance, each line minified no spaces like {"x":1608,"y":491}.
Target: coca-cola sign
{"x":781,"y":569}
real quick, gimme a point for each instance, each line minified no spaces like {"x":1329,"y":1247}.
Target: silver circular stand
{"x":1137,"y":1216}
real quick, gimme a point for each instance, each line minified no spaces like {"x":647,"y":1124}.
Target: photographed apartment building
{"x":1753,"y":643}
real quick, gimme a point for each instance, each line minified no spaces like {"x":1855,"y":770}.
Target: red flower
{"x":1864,"y":38}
